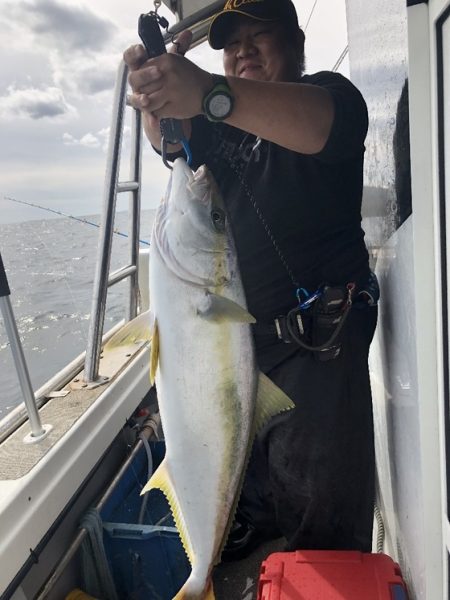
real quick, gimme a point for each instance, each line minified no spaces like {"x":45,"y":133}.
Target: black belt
{"x":315,"y":325}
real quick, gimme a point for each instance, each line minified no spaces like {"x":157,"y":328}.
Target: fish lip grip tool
{"x":149,"y":30}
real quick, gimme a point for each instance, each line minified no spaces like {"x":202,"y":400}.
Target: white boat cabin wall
{"x":400,"y":60}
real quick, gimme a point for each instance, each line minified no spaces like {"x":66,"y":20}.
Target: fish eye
{"x":218,"y":219}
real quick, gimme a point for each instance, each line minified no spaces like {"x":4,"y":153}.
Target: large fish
{"x":212,"y":398}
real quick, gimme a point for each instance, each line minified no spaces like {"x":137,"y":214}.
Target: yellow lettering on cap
{"x":234,"y":4}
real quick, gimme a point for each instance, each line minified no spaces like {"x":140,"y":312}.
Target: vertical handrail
{"x":106,"y":229}
{"x":38,"y":431}
{"x":135,"y":213}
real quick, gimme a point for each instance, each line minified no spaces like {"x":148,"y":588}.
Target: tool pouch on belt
{"x":327,"y":314}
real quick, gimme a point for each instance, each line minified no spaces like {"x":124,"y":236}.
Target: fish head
{"x":191,"y":230}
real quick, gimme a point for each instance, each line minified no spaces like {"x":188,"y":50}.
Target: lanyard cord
{"x":250,"y":196}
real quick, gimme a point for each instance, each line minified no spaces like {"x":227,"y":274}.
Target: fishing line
{"x":62,"y":214}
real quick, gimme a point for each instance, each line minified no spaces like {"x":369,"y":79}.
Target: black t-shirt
{"x":296,"y":218}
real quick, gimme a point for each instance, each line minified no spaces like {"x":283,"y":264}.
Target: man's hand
{"x":167,"y":86}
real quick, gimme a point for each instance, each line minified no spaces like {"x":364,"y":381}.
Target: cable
{"x":310,"y":15}
{"x":149,"y":474}
{"x":340,"y":59}
{"x":291,"y":326}
{"x":380,"y":529}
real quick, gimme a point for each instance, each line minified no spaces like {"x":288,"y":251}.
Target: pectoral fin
{"x":161,"y":480}
{"x":270,"y":401}
{"x":154,"y":352}
{"x":137,"y":330}
{"x":218,"y":308}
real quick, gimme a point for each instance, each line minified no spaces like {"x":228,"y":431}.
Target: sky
{"x":59,"y":60}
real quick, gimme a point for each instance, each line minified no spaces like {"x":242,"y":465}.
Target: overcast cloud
{"x":63,"y":27}
{"x":57,"y":73}
{"x":34,"y":103}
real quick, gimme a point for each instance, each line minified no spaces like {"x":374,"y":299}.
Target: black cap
{"x":261,"y":10}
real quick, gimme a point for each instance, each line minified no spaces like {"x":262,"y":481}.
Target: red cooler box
{"x":330,"y":575}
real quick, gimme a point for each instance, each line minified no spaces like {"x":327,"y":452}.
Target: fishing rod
{"x":62,"y":214}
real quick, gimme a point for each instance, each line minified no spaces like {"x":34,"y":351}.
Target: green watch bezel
{"x":220,"y":88}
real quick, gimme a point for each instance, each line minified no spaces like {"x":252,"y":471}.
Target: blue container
{"x":147,"y":559}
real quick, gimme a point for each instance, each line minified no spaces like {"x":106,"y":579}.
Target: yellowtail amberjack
{"x":212,"y":397}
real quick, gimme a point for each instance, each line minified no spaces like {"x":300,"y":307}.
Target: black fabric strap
{"x":264,"y":328}
{"x":414,"y":2}
{"x":4,"y":287}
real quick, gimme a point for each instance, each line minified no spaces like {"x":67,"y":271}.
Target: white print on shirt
{"x":237,"y":152}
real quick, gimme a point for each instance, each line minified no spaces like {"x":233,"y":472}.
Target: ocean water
{"x":50,"y":265}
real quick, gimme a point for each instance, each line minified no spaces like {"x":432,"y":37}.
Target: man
{"x":287,"y":152}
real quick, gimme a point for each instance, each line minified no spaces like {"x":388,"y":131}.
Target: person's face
{"x":258,"y":50}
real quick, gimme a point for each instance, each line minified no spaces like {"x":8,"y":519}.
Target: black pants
{"x":311,"y":474}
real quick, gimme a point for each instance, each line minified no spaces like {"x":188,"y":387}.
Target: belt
{"x":326,"y":313}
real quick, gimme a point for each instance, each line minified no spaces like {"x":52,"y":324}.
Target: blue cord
{"x":188,"y":151}
{"x":309,"y":298}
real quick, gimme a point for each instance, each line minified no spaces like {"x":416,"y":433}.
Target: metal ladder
{"x":103,"y":279}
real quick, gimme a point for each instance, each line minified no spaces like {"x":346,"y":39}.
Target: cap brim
{"x":220,"y":27}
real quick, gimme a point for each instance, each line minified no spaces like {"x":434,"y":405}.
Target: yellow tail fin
{"x":183,"y":595}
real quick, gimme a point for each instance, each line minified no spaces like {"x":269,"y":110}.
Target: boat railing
{"x":38,"y":431}
{"x":103,"y":278}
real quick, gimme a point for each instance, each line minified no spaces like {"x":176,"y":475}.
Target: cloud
{"x":94,"y":82}
{"x":96,"y":140}
{"x":66,"y":27}
{"x":60,"y":43}
{"x":35,"y":103}
{"x":83,"y":75}
{"x":88,"y":140}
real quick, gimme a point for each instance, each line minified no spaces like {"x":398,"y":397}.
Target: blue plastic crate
{"x":147,"y":559}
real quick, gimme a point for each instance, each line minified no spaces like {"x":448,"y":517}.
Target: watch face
{"x":220,"y":105}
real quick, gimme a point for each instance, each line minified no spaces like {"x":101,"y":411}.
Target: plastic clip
{"x":305,"y":303}
{"x":350,"y":291}
{"x":186,"y":147}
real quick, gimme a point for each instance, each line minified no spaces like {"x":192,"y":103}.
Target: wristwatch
{"x":218,"y":102}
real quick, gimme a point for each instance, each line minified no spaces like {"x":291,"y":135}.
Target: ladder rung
{"x":127,"y":186}
{"x":120,"y":274}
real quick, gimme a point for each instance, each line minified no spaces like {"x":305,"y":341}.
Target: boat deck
{"x":239,"y":580}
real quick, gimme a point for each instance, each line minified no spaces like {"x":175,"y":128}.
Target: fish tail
{"x":161,"y":480}
{"x":210,"y":593}
{"x":186,"y":594}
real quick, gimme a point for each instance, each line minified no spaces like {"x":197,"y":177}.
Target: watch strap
{"x":220,"y":86}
